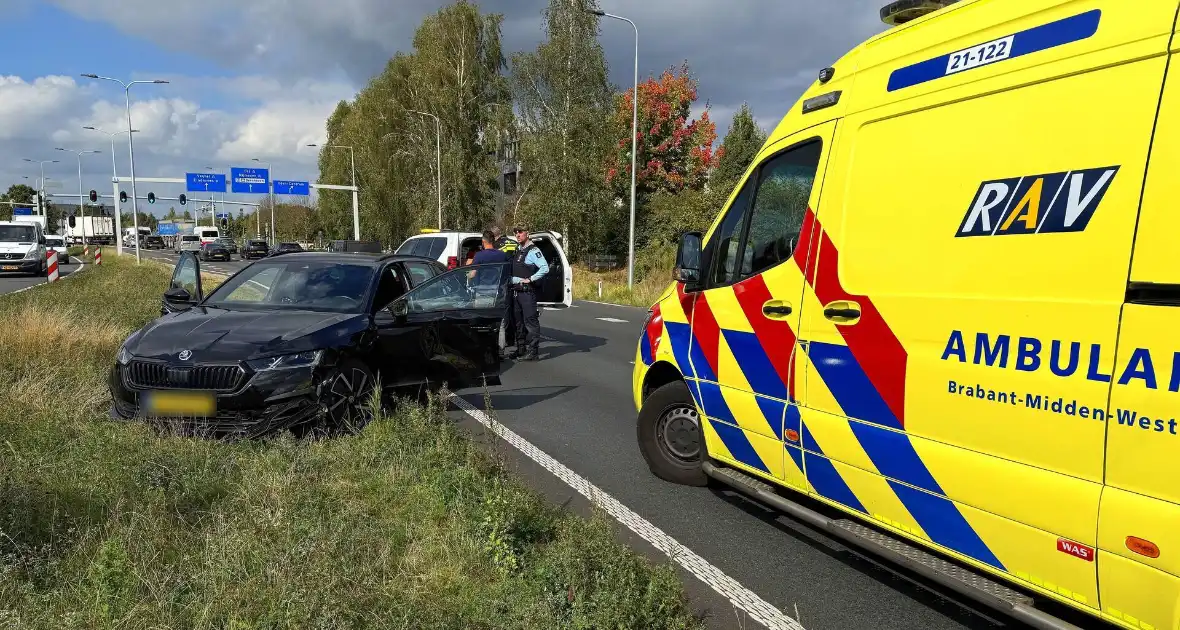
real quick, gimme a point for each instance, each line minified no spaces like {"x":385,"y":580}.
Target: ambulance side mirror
{"x":688,"y":260}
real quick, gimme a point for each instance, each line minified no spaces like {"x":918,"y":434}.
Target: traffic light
{"x":224,"y":224}
{"x":183,"y":199}
{"x":122,"y":196}
{"x":93,"y":196}
{"x":151,"y":197}
{"x":73,"y":221}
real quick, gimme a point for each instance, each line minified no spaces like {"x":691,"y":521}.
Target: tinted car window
{"x":420,"y":272}
{"x":311,"y":285}
{"x":779,"y":206}
{"x":17,"y":233}
{"x":435,"y":247}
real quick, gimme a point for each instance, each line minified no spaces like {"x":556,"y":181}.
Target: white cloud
{"x":175,"y":134}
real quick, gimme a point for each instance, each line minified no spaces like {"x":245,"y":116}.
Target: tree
{"x":186,"y":216}
{"x":454,"y":73}
{"x":741,"y":145}
{"x":565,"y":104}
{"x":17,"y":193}
{"x":675,"y":153}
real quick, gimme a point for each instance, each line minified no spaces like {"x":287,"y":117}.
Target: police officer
{"x":528,"y":267}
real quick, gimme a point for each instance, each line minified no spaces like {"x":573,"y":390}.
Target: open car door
{"x":455,"y":320}
{"x":185,"y":289}
{"x":557,"y":287}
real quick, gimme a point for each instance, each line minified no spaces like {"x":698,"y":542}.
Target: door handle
{"x":842,"y":312}
{"x":775,"y":309}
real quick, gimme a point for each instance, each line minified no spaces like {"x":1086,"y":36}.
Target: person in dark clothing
{"x":528,"y":267}
{"x":487,"y":255}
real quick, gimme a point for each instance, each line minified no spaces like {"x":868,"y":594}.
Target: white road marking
{"x":613,"y":320}
{"x":609,"y":304}
{"x":758,"y":608}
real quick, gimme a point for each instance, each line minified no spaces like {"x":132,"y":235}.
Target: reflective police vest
{"x":507,"y":245}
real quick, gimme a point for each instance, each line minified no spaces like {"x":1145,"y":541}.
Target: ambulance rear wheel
{"x":670,"y":435}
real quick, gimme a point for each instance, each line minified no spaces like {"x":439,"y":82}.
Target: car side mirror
{"x":399,"y":308}
{"x":41,"y":240}
{"x":688,"y":259}
{"x":178,"y":296}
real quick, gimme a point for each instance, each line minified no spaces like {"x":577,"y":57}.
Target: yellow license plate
{"x":10,"y":268}
{"x":178,"y":404}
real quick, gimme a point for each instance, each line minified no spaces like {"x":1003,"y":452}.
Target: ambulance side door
{"x":743,"y":343}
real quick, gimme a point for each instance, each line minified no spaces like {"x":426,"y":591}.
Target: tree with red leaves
{"x":675,"y":153}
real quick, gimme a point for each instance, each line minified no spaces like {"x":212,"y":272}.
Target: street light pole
{"x":41,"y":186}
{"x":115,"y":187}
{"x":437,"y":159}
{"x":130,"y":147}
{"x":270,"y":197}
{"x":81,"y":203}
{"x":634,"y":144}
{"x":356,"y":214}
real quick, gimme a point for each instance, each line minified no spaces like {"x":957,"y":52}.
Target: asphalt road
{"x":10,"y":282}
{"x":575,"y":405}
{"x":167,"y":256}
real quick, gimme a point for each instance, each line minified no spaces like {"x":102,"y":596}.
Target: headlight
{"x":124,"y":356}
{"x":32,"y":254}
{"x":286,"y":361}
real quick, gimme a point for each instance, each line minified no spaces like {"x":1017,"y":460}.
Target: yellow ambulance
{"x":945,"y":301}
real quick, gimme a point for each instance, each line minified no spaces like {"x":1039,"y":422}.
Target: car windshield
{"x":296,"y":284}
{"x":54,"y":242}
{"x":189,"y":239}
{"x":17,"y":234}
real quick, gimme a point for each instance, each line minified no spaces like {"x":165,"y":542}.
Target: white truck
{"x":97,"y":229}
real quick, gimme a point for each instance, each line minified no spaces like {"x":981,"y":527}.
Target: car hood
{"x":216,"y":335}
{"x":16,"y":248}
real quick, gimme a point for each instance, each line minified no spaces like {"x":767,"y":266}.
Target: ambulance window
{"x":776,"y":218}
{"x":727,"y":239}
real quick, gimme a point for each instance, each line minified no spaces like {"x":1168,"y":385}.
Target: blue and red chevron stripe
{"x":873,"y":344}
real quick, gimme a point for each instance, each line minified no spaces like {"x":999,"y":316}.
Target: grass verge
{"x":643,"y":293}
{"x":406,"y":525}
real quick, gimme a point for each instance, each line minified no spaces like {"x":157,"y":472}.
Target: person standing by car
{"x":489,"y":254}
{"x":528,"y":267}
{"x":505,"y":244}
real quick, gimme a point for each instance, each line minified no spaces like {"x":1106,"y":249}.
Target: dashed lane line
{"x":745,"y":599}
{"x":613,"y":320}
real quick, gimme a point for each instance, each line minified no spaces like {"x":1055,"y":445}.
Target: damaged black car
{"x":302,"y":342}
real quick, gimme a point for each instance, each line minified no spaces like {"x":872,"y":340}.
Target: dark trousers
{"x":528,"y":322}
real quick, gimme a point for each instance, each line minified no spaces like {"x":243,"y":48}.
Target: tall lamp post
{"x":130,"y":147}
{"x":356,"y":215}
{"x":212,"y":204}
{"x":634,"y":143}
{"x":81,"y":203}
{"x":437,"y":159}
{"x":115,"y":173}
{"x":270,"y":197}
{"x":41,"y":208}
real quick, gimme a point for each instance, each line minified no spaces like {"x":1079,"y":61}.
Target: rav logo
{"x":1037,"y":204}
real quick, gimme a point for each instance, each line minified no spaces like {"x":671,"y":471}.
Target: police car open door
{"x":557,"y":287}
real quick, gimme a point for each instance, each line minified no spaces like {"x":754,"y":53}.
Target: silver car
{"x":188,"y":243}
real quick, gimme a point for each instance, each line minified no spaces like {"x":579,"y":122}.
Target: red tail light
{"x":452,"y":262}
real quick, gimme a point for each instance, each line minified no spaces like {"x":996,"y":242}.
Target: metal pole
{"x":438,"y":166}
{"x":634,"y":155}
{"x":634,"y":144}
{"x":40,"y":200}
{"x":115,"y":201}
{"x":356,"y":211}
{"x":131,"y":157}
{"x":81,"y":206}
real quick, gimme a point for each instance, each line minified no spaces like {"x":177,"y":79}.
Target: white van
{"x":22,"y":248}
{"x":206,"y":234}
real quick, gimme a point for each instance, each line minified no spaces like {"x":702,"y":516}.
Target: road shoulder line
{"x":729,"y":588}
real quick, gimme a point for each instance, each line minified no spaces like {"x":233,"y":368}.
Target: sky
{"x":257,"y":80}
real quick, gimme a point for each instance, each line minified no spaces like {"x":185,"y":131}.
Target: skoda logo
{"x":185,"y":355}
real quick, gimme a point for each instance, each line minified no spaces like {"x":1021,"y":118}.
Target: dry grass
{"x":645,"y":292}
{"x":406,"y":525}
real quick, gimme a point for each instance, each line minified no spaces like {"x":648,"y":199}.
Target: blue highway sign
{"x":204,"y":182}
{"x":290,"y":187}
{"x":250,"y":180}
{"x":18,"y":211}
{"x":222,"y":215}
{"x":168,"y":229}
